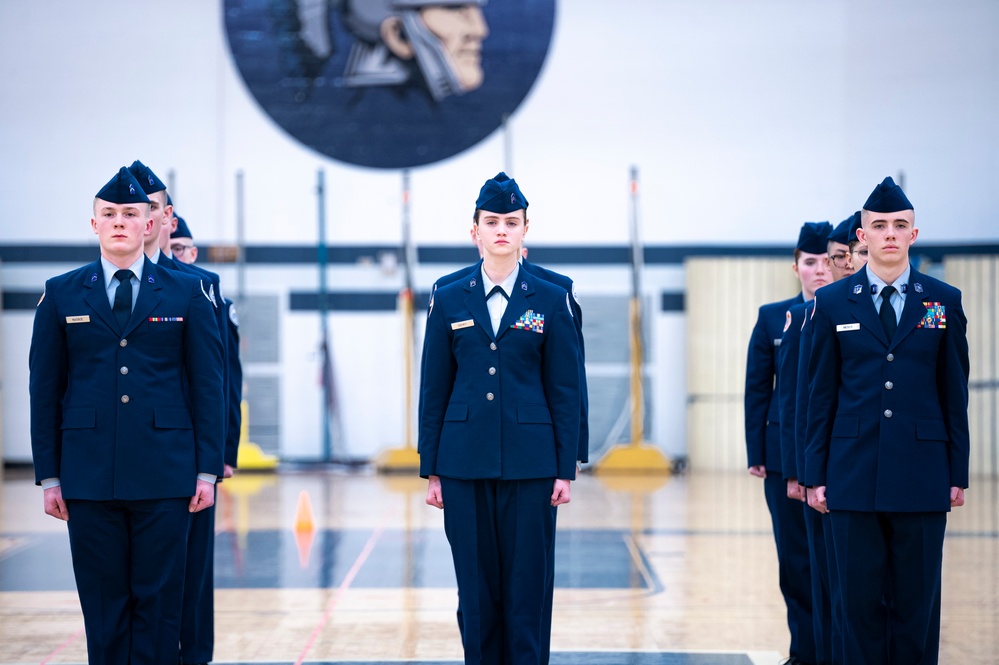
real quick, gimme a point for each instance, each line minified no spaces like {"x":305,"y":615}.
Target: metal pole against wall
{"x":240,"y":242}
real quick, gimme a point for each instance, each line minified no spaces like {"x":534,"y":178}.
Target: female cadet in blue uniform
{"x":887,"y":435}
{"x":126,"y":428}
{"x":763,"y":449}
{"x":499,"y":432}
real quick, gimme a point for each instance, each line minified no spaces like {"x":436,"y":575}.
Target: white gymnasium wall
{"x":744,"y":118}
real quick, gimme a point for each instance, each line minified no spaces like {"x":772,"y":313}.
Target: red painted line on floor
{"x":347,"y":581}
{"x":69,"y":640}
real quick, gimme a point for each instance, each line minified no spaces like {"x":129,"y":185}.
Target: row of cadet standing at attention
{"x":872,"y":432}
{"x":133,"y":421}
{"x":502,"y":423}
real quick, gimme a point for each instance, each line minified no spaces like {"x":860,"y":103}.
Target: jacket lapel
{"x":914,"y":309}
{"x":523,"y":288}
{"x":148,"y":298}
{"x":862,"y":306}
{"x":475,"y":300}
{"x":96,"y":295}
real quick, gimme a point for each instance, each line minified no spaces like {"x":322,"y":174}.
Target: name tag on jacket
{"x":458,"y":325}
{"x":78,"y":319}
{"x":844,"y":327}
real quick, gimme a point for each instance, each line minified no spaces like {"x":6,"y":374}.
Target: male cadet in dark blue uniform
{"x":825,"y":621}
{"x":198,"y":627}
{"x":763,"y":446}
{"x":583,"y":454}
{"x":126,"y":428}
{"x":887,"y":436}
{"x":499,"y":433}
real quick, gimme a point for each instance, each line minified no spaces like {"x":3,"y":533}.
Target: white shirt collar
{"x":110,"y":269}
{"x":506,"y":284}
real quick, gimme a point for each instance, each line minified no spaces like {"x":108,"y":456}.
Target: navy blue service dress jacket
{"x":881,"y":436}
{"x":106,"y":416}
{"x":762,"y":416}
{"x":503,"y":406}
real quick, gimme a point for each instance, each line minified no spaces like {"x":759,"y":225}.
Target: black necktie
{"x":123,"y":298}
{"x":497,"y":289}
{"x":887,"y":312}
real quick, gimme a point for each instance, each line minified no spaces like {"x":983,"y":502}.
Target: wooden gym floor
{"x":328,"y":566}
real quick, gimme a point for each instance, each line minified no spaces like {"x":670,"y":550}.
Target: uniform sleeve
{"x":235,"y":392}
{"x":48,"y":366}
{"x":801,"y":402}
{"x":823,"y":391}
{"x":560,"y":374}
{"x":203,"y":361}
{"x":952,"y":374}
{"x":759,"y":392}
{"x":583,"y":454}
{"x":437,"y":373}
{"x":787,"y":377}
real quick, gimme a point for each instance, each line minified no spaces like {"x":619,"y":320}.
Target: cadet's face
{"x":461,"y":30}
{"x":858,"y":256}
{"x":839,"y":260}
{"x":813,"y":271}
{"x":120,"y":227}
{"x":157,"y":210}
{"x":888,"y":236}
{"x":501,"y":234}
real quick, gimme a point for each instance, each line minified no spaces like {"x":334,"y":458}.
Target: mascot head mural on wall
{"x":389,"y":83}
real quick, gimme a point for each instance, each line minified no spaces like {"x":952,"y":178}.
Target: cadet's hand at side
{"x":434,"y":496}
{"x":794,"y":490}
{"x":228,"y":471}
{"x":204,"y":497}
{"x":956,"y":497}
{"x":759,"y":471}
{"x":55,"y":506}
{"x":560,"y":492}
{"x":817,"y":498}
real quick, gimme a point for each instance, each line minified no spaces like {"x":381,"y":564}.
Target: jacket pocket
{"x":79,"y":418}
{"x":931,"y":430}
{"x":846,"y":427}
{"x":172,"y":418}
{"x":533,"y":413}
{"x":456,"y":412}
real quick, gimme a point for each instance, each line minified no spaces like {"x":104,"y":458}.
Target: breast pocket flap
{"x":533,"y":413}
{"x":172,"y":418}
{"x":456,"y":412}
{"x":79,"y":418}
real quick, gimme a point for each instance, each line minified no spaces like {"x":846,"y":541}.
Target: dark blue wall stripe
{"x":465,"y":254}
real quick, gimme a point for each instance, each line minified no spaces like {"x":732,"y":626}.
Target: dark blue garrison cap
{"x":841,"y":233}
{"x":123,"y":188}
{"x":501,"y":194}
{"x":181,"y":231}
{"x":813,"y":237}
{"x":887,"y":197}
{"x":854,"y":225}
{"x":150,"y":183}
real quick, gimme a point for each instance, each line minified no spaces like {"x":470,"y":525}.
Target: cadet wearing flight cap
{"x":197,"y":641}
{"x":764,"y":444}
{"x":493,"y":195}
{"x":887,"y":437}
{"x":126,"y":436}
{"x":499,"y":432}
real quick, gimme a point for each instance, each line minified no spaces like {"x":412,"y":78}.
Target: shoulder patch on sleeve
{"x":787,"y":321}
{"x":210,"y":293}
{"x":568,"y":306}
{"x":575,"y":296}
{"x":232,"y":314}
{"x":42,"y":298}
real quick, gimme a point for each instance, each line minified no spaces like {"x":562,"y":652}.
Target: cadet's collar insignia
{"x":523,"y":286}
{"x":151,"y":280}
{"x":232,"y":315}
{"x":787,"y":321}
{"x":93,"y":278}
{"x":918,"y":287}
{"x":905,"y":288}
{"x":858,"y":289}
{"x":935,"y":317}
{"x":42,"y":298}
{"x":531,"y":321}
{"x":472,"y":283}
{"x":874,"y":289}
